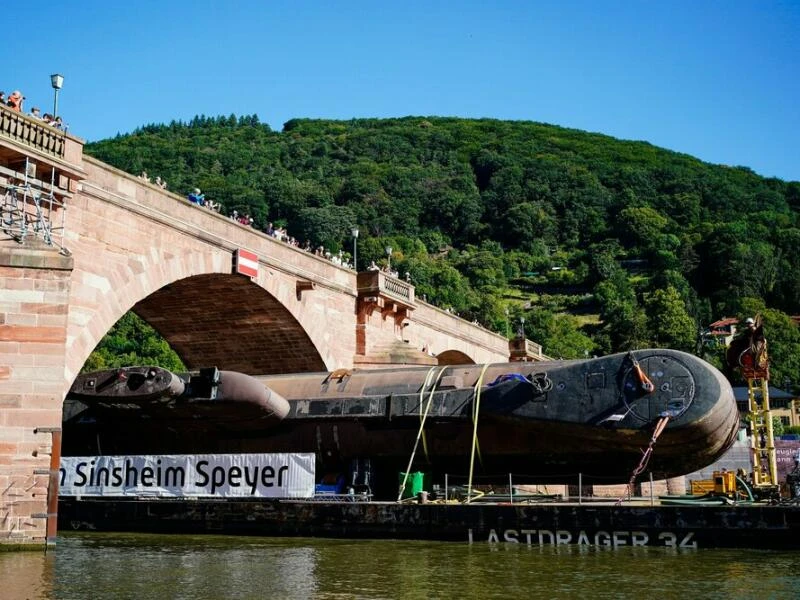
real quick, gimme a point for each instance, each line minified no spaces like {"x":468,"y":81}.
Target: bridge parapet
{"x":43,"y":141}
{"x":522,"y":349}
{"x":386,"y":290}
{"x":33,"y":133}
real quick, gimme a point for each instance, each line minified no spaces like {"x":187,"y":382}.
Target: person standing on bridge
{"x":197,"y":197}
{"x":15,"y":101}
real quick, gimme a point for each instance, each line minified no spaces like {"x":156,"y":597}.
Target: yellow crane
{"x":762,"y":441}
{"x":749,"y":353}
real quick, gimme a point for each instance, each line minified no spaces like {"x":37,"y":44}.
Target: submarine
{"x":544,"y":421}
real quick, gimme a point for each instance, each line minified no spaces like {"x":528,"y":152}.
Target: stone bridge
{"x":82,"y":243}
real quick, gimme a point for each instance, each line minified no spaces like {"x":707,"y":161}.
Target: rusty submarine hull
{"x":545,"y":421}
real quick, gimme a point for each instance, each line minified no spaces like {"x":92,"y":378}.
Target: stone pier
{"x":35,"y":284}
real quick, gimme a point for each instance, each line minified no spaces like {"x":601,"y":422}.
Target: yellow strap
{"x":476,"y":407}
{"x":421,"y":424}
{"x":423,"y":417}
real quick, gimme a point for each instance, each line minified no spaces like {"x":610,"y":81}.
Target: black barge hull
{"x":610,"y":526}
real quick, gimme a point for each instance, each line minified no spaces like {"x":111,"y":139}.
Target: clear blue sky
{"x":717,"y":79}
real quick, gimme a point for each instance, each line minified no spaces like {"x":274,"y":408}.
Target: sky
{"x":716,"y":79}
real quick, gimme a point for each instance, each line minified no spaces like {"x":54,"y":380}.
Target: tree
{"x":526,"y":223}
{"x":131,"y":341}
{"x":641,"y":227}
{"x":777,"y":426}
{"x":669,"y":324}
{"x":624,"y":321}
{"x":327,"y":226}
{"x":559,"y":335}
{"x":483,"y":266}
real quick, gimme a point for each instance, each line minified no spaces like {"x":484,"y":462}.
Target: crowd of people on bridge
{"x":340,"y":258}
{"x":15,"y":102}
{"x":388,"y":270}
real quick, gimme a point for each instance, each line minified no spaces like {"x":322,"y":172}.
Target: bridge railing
{"x":524,"y":349}
{"x":33,"y":133}
{"x":378,"y":283}
{"x":533,"y":349}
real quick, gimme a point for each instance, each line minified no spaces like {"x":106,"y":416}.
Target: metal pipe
{"x":746,"y":488}
{"x":52,"y":487}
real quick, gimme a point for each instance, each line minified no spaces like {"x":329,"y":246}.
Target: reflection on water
{"x":141,"y":567}
{"x":26,"y":574}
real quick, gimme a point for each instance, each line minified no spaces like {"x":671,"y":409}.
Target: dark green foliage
{"x":490,"y":215}
{"x":131,"y":341}
{"x":777,"y":426}
{"x":669,"y":325}
{"x":559,"y":333}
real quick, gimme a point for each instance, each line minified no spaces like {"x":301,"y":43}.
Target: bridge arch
{"x":454,"y":357}
{"x":229,"y":322}
{"x":242,"y":325}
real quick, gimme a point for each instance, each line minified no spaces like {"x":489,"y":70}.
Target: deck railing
{"x":32,"y":132}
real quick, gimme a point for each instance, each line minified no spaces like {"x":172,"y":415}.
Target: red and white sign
{"x":246,"y":263}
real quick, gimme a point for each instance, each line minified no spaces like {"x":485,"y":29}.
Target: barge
{"x":604,"y":525}
{"x":546,"y":422}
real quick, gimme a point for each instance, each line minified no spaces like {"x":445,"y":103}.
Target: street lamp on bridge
{"x":57,"y":81}
{"x":354,"y":233}
{"x":389,"y":258}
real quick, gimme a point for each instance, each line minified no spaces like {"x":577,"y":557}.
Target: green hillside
{"x":599,"y":244}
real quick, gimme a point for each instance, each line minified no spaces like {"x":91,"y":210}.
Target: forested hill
{"x":600,"y":244}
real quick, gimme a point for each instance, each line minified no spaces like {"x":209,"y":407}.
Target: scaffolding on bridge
{"x":29,"y":210}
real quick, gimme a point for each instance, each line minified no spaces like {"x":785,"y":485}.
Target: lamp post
{"x":389,"y":258}
{"x":522,"y":327}
{"x":57,"y":81}
{"x":354,"y":233}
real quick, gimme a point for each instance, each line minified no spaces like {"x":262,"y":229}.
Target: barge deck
{"x":600,"y":524}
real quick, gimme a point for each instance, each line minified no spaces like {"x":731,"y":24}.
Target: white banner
{"x":179,"y":476}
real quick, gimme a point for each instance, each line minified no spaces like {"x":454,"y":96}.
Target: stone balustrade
{"x":33,"y":133}
{"x":533,"y":349}
{"x":378,"y":283}
{"x":523,"y":349}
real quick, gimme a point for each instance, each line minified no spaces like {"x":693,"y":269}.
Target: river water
{"x":139,"y":567}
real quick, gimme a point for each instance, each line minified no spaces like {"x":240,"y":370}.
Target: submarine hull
{"x":547,"y":422}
